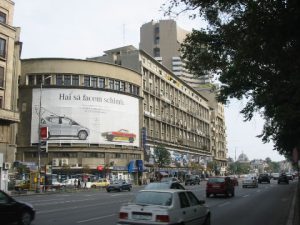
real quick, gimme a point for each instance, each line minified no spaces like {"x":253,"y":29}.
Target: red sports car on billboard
{"x":120,"y":135}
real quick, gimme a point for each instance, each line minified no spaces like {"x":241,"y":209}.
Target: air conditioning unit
{"x":64,"y":162}
{"x":6,"y":166}
{"x":55,"y":162}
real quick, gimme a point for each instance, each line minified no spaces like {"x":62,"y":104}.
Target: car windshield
{"x":153,"y":198}
{"x":216,"y":180}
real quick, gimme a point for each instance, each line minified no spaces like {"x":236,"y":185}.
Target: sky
{"x":71,"y":29}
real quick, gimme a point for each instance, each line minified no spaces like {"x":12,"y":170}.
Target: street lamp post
{"x":39,"y":136}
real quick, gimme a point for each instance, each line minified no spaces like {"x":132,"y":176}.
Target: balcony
{"x":9,"y":115}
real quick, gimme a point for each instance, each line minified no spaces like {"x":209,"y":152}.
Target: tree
{"x":162,"y":156}
{"x":253,"y":47}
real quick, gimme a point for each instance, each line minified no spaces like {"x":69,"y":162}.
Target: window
{"x":75,"y":80}
{"x":94,"y":82}
{"x":59,"y":80}
{"x":86,"y":81}
{"x":39,"y":79}
{"x":1,"y":77}
{"x":101,"y":83}
{"x":184,"y":202}
{"x":156,"y":52}
{"x":111,"y":84}
{"x":2,"y":17}
{"x":2,"y":47}
{"x":67,"y":80}
{"x":31,"y":79}
{"x":117,"y":85}
{"x":122,"y":86}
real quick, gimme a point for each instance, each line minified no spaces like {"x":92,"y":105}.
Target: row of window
{"x":85,"y":155}
{"x":88,"y":81}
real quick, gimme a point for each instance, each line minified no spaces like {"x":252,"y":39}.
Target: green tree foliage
{"x":239,"y":168}
{"x":253,"y":47}
{"x":162,"y":156}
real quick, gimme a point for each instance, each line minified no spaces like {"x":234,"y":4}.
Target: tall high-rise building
{"x":162,"y":41}
{"x":10,"y":49}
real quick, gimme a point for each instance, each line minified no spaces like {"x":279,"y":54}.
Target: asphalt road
{"x":267,"y":204}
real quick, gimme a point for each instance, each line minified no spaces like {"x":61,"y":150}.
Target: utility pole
{"x":38,"y":186}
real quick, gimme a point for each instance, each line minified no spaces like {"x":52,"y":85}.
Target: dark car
{"x":163,"y":185}
{"x":119,"y":186}
{"x":263,"y":178}
{"x":220,"y":185}
{"x":283,"y":178}
{"x":192,"y":180}
{"x":13,"y":211}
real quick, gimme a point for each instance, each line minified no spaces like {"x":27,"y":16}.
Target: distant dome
{"x":243,"y":158}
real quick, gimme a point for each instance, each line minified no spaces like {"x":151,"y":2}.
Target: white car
{"x":163,"y":207}
{"x":250,"y":181}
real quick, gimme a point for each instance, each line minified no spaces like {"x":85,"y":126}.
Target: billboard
{"x":85,"y":116}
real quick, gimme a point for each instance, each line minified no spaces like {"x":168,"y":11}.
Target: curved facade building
{"x":90,"y":112}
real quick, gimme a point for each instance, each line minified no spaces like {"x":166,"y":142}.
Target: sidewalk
{"x":296,"y":216}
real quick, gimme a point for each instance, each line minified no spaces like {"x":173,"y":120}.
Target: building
{"x":162,"y":41}
{"x":10,"y":50}
{"x":175,"y":115}
{"x":92,"y":113}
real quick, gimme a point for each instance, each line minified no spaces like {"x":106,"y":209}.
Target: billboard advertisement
{"x":85,"y":116}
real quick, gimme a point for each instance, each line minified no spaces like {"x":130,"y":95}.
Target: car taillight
{"x":162,"y":218}
{"x":123,"y":215}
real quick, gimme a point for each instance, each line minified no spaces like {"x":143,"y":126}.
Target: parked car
{"x":263,"y":177}
{"x":120,"y":135}
{"x":250,"y":181}
{"x":15,"y":212}
{"x":283,"y":178}
{"x":22,"y":185}
{"x":68,"y":183}
{"x":119,"y":186}
{"x":192,"y":180}
{"x":219,"y":185}
{"x":164,"y":185}
{"x":61,"y":126}
{"x":163,"y":207}
{"x":102,"y":182}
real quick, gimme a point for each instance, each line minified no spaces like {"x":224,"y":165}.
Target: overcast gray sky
{"x":80,"y":29}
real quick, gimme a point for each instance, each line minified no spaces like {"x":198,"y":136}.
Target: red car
{"x":120,"y":135}
{"x":220,"y":185}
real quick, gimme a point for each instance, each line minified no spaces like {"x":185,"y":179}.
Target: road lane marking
{"x":245,"y":196}
{"x":258,"y":191}
{"x":225,"y":203}
{"x":96,"y":218}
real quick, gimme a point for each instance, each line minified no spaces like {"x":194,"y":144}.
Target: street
{"x":267,"y":204}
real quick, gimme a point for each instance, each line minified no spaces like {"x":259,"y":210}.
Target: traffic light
{"x":44,"y":146}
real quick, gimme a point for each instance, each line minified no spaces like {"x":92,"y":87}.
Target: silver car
{"x":61,"y":126}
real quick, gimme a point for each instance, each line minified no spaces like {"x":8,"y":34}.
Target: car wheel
{"x":207,"y":220}
{"x":25,"y":218}
{"x":110,"y":137}
{"x":82,"y":135}
{"x":107,"y":190}
{"x":207,"y":195}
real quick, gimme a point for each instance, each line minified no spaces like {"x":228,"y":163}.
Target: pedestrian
{"x":75,"y":183}
{"x":79,"y":185}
